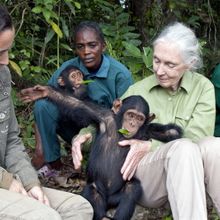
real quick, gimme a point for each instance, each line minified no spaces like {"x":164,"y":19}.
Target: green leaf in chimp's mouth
{"x":87,"y":81}
{"x":123,"y":131}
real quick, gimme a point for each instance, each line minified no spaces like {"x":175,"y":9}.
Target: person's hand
{"x":37,"y":193}
{"x":138,"y":149}
{"x":33,"y":93}
{"x":16,"y":186}
{"x":76,"y":149}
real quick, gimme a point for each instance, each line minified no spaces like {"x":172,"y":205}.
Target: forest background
{"x":44,"y":30}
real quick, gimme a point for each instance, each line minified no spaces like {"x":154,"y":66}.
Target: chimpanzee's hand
{"x":16,"y":186}
{"x":37,"y":193}
{"x":138,"y":149}
{"x":33,"y":93}
{"x":76,"y":149}
{"x":117,"y":103}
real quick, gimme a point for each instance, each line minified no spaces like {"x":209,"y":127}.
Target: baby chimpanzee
{"x":71,"y":82}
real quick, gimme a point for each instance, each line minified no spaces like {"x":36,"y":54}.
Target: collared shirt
{"x":192,"y":106}
{"x":110,"y":81}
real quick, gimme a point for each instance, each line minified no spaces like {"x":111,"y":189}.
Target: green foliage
{"x":205,"y":21}
{"x":43,"y":38}
{"x":25,"y":120}
{"x":123,"y":131}
{"x":44,"y":30}
{"x":168,"y":218}
{"x":87,"y":81}
{"x":123,"y":41}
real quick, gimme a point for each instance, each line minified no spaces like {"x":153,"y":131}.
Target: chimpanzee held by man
{"x":105,"y":186}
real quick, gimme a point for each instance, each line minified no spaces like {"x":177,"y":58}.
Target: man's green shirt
{"x":192,"y":106}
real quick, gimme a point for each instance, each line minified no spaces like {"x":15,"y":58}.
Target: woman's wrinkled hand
{"x":37,"y":193}
{"x":138,"y":149}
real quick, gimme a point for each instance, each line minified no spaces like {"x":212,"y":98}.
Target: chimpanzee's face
{"x":75,"y":78}
{"x":132,"y":121}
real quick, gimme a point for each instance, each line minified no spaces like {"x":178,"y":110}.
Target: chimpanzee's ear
{"x":151,"y":117}
{"x":60,"y":81}
{"x":116,"y":105}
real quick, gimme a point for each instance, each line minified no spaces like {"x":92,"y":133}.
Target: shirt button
{"x":5,"y":93}
{"x":169,"y":99}
{"x":187,"y":117}
{"x":2,"y":115}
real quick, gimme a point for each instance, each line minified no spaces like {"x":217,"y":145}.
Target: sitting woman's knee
{"x":185,"y":147}
{"x":210,"y":147}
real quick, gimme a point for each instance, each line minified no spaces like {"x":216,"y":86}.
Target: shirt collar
{"x":103,"y":70}
{"x":185,"y":82}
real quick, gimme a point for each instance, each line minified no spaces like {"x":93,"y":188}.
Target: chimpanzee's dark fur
{"x":79,"y":93}
{"x":105,"y":187}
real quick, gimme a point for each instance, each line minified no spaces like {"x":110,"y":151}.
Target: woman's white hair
{"x":185,"y":40}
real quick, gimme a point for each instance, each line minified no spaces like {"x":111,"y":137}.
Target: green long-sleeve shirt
{"x":192,"y":106}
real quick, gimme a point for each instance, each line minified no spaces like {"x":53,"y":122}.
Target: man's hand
{"x":33,"y":93}
{"x":37,"y":193}
{"x":138,"y":149}
{"x":76,"y":149}
{"x":17,"y":187}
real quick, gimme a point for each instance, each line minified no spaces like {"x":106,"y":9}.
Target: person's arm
{"x":20,"y":176}
{"x":202,"y":120}
{"x":16,"y":159}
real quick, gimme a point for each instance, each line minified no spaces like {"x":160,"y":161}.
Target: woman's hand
{"x":138,"y":149}
{"x":76,"y":149}
{"x":37,"y":193}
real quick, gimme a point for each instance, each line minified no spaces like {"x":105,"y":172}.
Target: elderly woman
{"x":179,"y":170}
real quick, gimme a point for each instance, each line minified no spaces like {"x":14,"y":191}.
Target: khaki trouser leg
{"x":14,"y":206}
{"x":174,"y":172}
{"x":70,"y":206}
{"x":210,"y":149}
